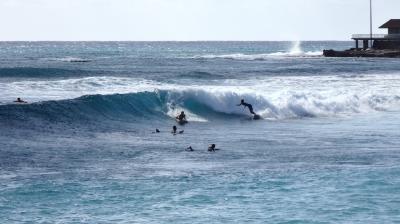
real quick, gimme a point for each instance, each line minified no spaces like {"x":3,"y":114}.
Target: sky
{"x":190,"y":20}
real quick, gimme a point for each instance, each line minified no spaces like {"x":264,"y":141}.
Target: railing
{"x":376,"y":36}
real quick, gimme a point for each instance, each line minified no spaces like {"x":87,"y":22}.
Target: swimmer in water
{"x":211,"y":148}
{"x":19,"y":100}
{"x":174,"y":130}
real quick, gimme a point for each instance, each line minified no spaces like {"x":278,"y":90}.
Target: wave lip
{"x":70,"y":88}
{"x":74,"y":60}
{"x":99,"y":108}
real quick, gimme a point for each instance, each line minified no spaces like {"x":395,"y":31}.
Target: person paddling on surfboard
{"x":212,"y":148}
{"x":181,"y":117}
{"x":242,"y":103}
{"x":175,"y":130}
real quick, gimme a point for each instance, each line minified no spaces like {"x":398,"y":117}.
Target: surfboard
{"x":257,"y":117}
{"x":182,"y":122}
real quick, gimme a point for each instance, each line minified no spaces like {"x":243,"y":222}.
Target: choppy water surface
{"x":82,"y":150}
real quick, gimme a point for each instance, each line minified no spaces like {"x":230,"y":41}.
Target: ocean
{"x":84,"y":148}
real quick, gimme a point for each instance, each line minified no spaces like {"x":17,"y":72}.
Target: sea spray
{"x":296,"y":48}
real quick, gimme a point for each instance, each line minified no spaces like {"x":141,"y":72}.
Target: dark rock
{"x":372,"y":53}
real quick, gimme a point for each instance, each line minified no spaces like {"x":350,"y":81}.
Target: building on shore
{"x":374,"y":45}
{"x":391,"y":40}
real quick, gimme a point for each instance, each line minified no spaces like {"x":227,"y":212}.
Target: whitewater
{"x":84,"y":148}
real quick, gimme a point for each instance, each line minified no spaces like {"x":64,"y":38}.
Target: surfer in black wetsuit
{"x":175,"y":130}
{"x":242,"y":103}
{"x":181,"y":117}
{"x":212,"y":148}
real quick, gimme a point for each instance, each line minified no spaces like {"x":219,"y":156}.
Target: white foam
{"x":72,"y":59}
{"x":293,"y":104}
{"x":255,"y":57}
{"x":174,"y":111}
{"x":293,"y":97}
{"x":297,"y":54}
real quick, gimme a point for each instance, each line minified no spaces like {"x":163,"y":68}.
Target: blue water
{"x":83,"y":149}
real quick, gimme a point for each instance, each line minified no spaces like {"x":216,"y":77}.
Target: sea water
{"x":83,"y":149}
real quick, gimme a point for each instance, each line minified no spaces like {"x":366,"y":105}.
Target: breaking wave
{"x":201,"y":105}
{"x":295,"y":51}
{"x":73,"y":60}
{"x":255,"y":57}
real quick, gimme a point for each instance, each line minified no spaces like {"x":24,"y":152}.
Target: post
{"x":365,"y":44}
{"x":370,"y":22}
{"x":357,"y":45}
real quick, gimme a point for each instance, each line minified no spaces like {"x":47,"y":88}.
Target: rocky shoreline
{"x":371,"y":53}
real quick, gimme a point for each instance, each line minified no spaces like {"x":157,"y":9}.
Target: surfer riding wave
{"x":242,"y":103}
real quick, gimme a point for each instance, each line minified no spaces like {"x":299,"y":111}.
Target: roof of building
{"x":393,"y":23}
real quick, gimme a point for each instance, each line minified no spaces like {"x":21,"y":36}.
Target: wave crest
{"x":73,"y":60}
{"x":201,"y":105}
{"x":260,"y":57}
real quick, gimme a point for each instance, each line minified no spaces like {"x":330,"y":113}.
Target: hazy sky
{"x":190,"y":19}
